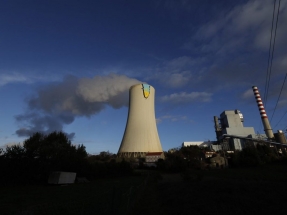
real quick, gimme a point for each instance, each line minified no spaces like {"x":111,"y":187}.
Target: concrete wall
{"x":231,"y":124}
{"x":230,"y":119}
{"x":244,"y":131}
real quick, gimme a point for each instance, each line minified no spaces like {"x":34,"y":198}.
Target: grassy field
{"x":112,"y":196}
{"x":260,"y":190}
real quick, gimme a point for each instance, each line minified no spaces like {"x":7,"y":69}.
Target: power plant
{"x":231,"y":125}
{"x":140,"y":139}
{"x":232,"y":135}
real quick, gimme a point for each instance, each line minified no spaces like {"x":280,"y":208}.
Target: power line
{"x":278,"y":97}
{"x":280,"y":119}
{"x":273,"y":48}
{"x":270,"y":45}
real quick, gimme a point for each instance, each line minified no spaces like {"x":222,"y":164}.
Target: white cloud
{"x":184,"y":97}
{"x":16,"y":77}
{"x":171,"y":118}
{"x":247,"y":24}
{"x":248,"y":94}
{"x":10,"y":144}
{"x":235,"y":44}
{"x":179,"y":72}
{"x":282,"y":103}
{"x":283,"y":61}
{"x":177,"y":80}
{"x":13,"y":78}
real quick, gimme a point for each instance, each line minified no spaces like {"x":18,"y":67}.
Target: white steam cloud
{"x":59,"y":104}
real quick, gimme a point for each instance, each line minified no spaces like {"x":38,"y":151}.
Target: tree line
{"x":39,"y":155}
{"x":193,"y":157}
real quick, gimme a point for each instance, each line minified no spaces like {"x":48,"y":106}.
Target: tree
{"x":41,"y":154}
{"x":102,"y":156}
{"x":33,"y":144}
{"x":15,"y":152}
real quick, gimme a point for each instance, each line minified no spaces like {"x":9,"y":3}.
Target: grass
{"x":113,"y":196}
{"x":259,"y":190}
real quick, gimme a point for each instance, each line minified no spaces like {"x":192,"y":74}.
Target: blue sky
{"x":68,"y":65}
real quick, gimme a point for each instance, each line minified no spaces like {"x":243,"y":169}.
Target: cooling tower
{"x":141,"y":136}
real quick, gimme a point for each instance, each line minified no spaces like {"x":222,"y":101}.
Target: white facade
{"x":210,"y":144}
{"x":141,"y":134}
{"x":198,"y":143}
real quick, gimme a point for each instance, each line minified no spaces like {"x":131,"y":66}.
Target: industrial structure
{"x":232,"y":135}
{"x":203,"y":144}
{"x":228,"y":127}
{"x":264,"y":118}
{"x":231,"y":123}
{"x":141,"y":137}
{"x":200,"y":144}
{"x":278,"y":137}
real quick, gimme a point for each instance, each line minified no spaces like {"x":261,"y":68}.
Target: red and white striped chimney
{"x":264,"y":118}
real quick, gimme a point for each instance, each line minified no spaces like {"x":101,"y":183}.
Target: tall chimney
{"x":264,"y":118}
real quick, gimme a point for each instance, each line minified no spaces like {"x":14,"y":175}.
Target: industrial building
{"x":141,"y":136}
{"x":197,"y":143}
{"x":232,"y":135}
{"x":212,"y":145}
{"x":231,"y":124}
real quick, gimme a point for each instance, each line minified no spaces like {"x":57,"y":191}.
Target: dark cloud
{"x":236,"y":44}
{"x":59,"y":104}
{"x":45,"y":124}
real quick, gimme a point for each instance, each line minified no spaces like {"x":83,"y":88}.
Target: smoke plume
{"x":58,"y":104}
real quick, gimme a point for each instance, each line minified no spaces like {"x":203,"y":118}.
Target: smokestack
{"x":264,"y":118}
{"x":141,"y":136}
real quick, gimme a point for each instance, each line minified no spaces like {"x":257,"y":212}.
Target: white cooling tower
{"x":141,"y":136}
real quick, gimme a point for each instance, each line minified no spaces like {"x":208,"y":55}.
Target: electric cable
{"x":271,"y":61}
{"x":280,"y":119}
{"x":278,"y":98}
{"x":270,"y":45}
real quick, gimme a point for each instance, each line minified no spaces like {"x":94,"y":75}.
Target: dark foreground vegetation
{"x":102,"y":196}
{"x":257,"y":190}
{"x":32,"y":162}
{"x":255,"y":181}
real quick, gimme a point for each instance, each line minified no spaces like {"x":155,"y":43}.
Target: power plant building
{"x":231,"y":123}
{"x":141,"y":136}
{"x":203,"y":144}
{"x":232,"y":134}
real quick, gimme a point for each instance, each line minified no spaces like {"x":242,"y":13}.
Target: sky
{"x":67,"y":65}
